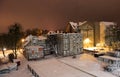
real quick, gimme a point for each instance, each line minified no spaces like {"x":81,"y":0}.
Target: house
{"x":95,"y":31}
{"x":34,"y":47}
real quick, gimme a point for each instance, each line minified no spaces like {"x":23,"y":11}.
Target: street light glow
{"x":23,"y":40}
{"x":87,"y":42}
{"x":4,"y":49}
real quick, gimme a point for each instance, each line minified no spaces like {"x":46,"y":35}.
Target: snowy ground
{"x":22,"y":69}
{"x":87,"y":63}
{"x":83,"y":66}
{"x":53,"y":68}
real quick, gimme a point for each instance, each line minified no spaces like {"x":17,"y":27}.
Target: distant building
{"x":95,"y":31}
{"x":105,"y":32}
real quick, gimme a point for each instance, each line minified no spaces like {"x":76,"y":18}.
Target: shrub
{"x":11,"y":57}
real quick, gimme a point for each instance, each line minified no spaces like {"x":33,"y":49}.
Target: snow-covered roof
{"x":51,"y":32}
{"x":42,"y":38}
{"x":35,"y":47}
{"x":75,"y":25}
{"x":30,"y":38}
{"x":108,"y":23}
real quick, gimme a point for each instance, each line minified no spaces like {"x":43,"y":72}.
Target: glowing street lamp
{"x":4,"y":49}
{"x":87,"y":42}
{"x":23,"y":40}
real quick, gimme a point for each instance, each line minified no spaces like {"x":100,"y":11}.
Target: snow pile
{"x":4,"y":60}
{"x":116,"y":72}
{"x":6,"y":53}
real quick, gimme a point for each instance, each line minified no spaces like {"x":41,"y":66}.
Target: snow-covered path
{"x":22,"y":69}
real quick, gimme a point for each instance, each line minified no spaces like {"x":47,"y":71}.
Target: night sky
{"x":55,"y":14}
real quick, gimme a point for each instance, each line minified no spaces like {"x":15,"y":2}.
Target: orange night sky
{"x":55,"y":14}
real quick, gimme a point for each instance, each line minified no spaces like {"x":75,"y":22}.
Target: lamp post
{"x":22,"y":40}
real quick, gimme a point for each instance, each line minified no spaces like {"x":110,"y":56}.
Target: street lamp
{"x":4,"y":49}
{"x":22,"y":40}
{"x":87,"y":42}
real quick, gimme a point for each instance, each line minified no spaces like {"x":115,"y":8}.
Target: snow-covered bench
{"x":116,"y":72}
{"x":109,"y":59}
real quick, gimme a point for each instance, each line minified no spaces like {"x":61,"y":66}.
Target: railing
{"x":32,"y":71}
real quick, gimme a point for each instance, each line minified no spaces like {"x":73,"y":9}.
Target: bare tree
{"x":15,"y":35}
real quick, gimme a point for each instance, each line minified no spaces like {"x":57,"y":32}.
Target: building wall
{"x":96,"y":33}
{"x":93,"y":34}
{"x":103,"y":27}
{"x":69,"y":44}
{"x":102,"y":33}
